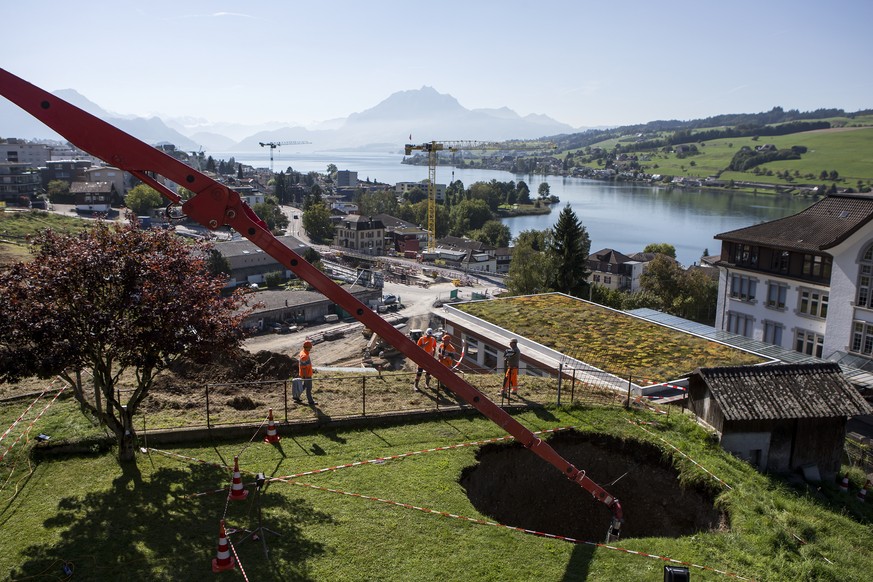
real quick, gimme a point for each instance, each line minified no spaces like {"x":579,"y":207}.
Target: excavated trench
{"x":516,"y":487}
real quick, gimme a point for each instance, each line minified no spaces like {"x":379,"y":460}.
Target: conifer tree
{"x":568,"y":251}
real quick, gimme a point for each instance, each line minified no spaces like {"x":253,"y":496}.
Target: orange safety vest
{"x":305,"y":366}
{"x":447,"y":354}
{"x":428,"y":344}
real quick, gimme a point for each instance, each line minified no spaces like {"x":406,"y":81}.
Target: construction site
{"x":379,"y":477}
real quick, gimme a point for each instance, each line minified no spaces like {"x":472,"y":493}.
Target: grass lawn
{"x":139,"y":523}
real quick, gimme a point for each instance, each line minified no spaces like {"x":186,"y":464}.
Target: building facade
{"x":804,"y":282}
{"x":19,"y":184}
{"x":362,"y":234}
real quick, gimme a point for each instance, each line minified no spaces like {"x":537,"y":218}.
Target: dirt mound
{"x":242,"y":366}
{"x":515,"y":487}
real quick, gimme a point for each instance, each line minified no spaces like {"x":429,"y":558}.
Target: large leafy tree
{"x":373,"y":203}
{"x":569,"y":249}
{"x":467,"y":216}
{"x":493,"y":233}
{"x":530,"y":270}
{"x":271,"y":213}
{"x":142,"y":199}
{"x":317,"y":223}
{"x":108,"y":300}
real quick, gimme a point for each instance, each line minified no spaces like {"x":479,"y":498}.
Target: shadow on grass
{"x":579,"y":563}
{"x":143,"y":528}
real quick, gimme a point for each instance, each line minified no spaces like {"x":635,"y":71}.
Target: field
{"x":417,"y":516}
{"x":16,"y":226}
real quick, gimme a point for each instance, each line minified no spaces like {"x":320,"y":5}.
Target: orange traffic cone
{"x":237,"y":489}
{"x":844,"y":484}
{"x":272,"y":435}
{"x":862,"y":494}
{"x":222,"y":560}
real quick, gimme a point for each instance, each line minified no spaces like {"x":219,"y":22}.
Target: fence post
{"x":363,"y":396}
{"x":560,"y":373}
{"x":207,"y":406}
{"x":285,"y":386}
{"x":629,"y":377}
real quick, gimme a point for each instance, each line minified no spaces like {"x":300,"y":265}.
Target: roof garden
{"x":608,"y":339}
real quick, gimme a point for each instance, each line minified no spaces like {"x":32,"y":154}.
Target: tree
{"x":467,"y":216}
{"x":529,"y":270}
{"x":317,"y":223}
{"x":544,"y":190}
{"x":58,"y":191}
{"x":373,"y":203}
{"x":142,"y":199}
{"x":493,"y":233}
{"x":270,"y":212}
{"x":108,"y":300}
{"x":523,"y":192}
{"x":662,"y":248}
{"x":331,"y":170}
{"x":569,"y":251}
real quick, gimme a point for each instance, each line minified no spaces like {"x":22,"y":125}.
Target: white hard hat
{"x":429,"y":331}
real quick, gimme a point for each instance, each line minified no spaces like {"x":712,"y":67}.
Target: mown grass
{"x":115,"y":523}
{"x":16,"y":225}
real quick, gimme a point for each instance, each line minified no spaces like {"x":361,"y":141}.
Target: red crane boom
{"x":214,"y":205}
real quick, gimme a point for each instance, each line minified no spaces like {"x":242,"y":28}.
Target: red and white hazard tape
{"x":669,"y":444}
{"x":32,"y":422}
{"x":519,"y":529}
{"x":238,"y":562}
{"x":23,"y":414}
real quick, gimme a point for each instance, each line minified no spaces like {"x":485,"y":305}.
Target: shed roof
{"x":783,"y":391}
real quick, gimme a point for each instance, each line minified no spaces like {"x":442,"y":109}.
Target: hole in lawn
{"x":516,"y":487}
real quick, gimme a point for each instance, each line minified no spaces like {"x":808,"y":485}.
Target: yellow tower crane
{"x":432,"y":148}
{"x":274,"y":144}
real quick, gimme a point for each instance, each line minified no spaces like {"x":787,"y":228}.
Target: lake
{"x":621,"y":216}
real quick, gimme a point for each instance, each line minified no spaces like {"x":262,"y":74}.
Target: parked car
{"x":389,"y":299}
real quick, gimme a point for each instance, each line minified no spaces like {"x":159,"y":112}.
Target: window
{"x":776,"y":295}
{"x":743,"y":287}
{"x":808,"y":342}
{"x":865,"y":280}
{"x":816,"y":266}
{"x":773,"y":333}
{"x":862,"y":338}
{"x":745,"y":254}
{"x":490,"y":358}
{"x":813,"y":302}
{"x":607,"y":280}
{"x":779,"y":261}
{"x":597,"y":278}
{"x":740,"y":323}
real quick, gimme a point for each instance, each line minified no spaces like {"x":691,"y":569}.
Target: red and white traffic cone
{"x":272,"y":435}
{"x":237,"y":489}
{"x":222,"y":560}
{"x":862,"y":494}
{"x":844,"y":484}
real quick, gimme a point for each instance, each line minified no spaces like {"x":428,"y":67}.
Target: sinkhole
{"x":514,"y":486}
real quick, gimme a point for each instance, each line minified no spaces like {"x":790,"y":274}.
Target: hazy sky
{"x":583,"y":63}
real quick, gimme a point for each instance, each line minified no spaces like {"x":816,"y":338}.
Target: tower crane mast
{"x":274,"y":144}
{"x":432,"y":148}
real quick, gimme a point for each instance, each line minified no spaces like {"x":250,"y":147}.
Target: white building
{"x":402,"y":188}
{"x":804,"y":282}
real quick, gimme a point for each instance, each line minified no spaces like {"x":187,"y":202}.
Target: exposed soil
{"x":516,"y":487}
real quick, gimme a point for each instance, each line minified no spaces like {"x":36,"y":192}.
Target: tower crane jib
{"x":275,"y":144}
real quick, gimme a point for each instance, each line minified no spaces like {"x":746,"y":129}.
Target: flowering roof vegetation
{"x":608,"y":339}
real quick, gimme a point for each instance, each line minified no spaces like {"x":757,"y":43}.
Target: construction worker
{"x":305,"y":371}
{"x":510,"y":363}
{"x":447,"y":351}
{"x":429,"y":344}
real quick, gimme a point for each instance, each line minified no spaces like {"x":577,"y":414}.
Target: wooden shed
{"x":781,"y":418}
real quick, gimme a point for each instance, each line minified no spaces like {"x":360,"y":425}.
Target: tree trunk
{"x":126,"y":437}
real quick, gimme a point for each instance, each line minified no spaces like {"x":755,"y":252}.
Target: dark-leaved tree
{"x":113,"y":298}
{"x":569,"y":249}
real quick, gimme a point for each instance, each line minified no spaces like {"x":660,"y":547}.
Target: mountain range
{"x":425,"y":114}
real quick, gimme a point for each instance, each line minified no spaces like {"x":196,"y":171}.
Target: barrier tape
{"x":23,"y":414}
{"x":32,"y":422}
{"x":238,"y":563}
{"x":704,"y":469}
{"x":522,"y":530}
{"x":375,"y":461}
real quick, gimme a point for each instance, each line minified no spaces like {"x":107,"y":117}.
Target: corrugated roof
{"x":823,"y":225}
{"x":783,"y":391}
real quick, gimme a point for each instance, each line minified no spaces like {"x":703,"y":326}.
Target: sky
{"x":583,"y":63}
